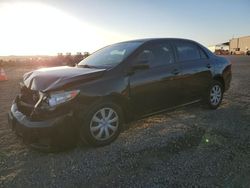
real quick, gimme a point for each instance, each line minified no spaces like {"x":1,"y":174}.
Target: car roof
{"x":157,"y":39}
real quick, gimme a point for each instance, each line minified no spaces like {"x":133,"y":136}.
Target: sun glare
{"x":39,"y":29}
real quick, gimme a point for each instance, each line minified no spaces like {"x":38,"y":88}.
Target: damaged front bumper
{"x":45,"y":134}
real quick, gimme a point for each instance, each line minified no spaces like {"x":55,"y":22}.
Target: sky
{"x":45,"y":27}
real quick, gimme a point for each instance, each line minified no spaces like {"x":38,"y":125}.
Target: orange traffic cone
{"x":2,"y":75}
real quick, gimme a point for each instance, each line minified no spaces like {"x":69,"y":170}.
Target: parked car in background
{"x":248,"y":52}
{"x":238,"y":52}
{"x":114,"y":85}
{"x":221,"y":52}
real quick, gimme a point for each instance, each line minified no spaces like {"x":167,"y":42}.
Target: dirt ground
{"x":189,"y":147}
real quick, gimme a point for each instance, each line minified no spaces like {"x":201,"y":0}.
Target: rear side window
{"x":187,"y":51}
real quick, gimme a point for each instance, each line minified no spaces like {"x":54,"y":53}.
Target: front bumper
{"x":45,"y":134}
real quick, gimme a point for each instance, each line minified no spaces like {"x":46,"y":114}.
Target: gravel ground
{"x":188,"y":147}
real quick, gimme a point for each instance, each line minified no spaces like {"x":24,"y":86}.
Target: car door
{"x":196,"y":70}
{"x":156,"y":87}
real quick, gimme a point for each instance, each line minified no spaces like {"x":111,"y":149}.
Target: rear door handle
{"x":175,"y":72}
{"x":208,"y":66}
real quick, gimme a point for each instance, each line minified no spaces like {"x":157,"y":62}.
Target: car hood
{"x":46,"y":79}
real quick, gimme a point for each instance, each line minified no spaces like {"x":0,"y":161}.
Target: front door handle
{"x":175,"y":72}
{"x":208,"y":66}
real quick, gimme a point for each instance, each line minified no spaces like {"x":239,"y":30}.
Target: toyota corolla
{"x":114,"y":85}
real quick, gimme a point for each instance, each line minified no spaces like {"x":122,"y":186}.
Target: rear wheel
{"x":102,"y":124}
{"x":215,"y":95}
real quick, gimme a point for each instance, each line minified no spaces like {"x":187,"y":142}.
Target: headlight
{"x":62,"y":97}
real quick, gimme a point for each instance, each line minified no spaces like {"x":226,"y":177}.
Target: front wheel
{"x":215,"y":95}
{"x":102,"y":124}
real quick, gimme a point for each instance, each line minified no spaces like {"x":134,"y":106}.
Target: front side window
{"x":110,"y":56}
{"x":187,"y":51}
{"x":145,"y":56}
{"x":156,"y":55}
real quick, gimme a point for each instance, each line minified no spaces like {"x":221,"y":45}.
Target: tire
{"x":215,"y":95}
{"x":102,"y":124}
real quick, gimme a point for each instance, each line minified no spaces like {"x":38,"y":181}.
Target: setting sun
{"x":35,"y":28}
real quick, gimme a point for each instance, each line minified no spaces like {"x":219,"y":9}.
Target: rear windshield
{"x":110,"y":56}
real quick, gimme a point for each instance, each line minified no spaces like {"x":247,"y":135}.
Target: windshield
{"x":110,"y":56}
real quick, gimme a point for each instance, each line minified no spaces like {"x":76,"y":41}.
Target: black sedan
{"x":116,"y":84}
